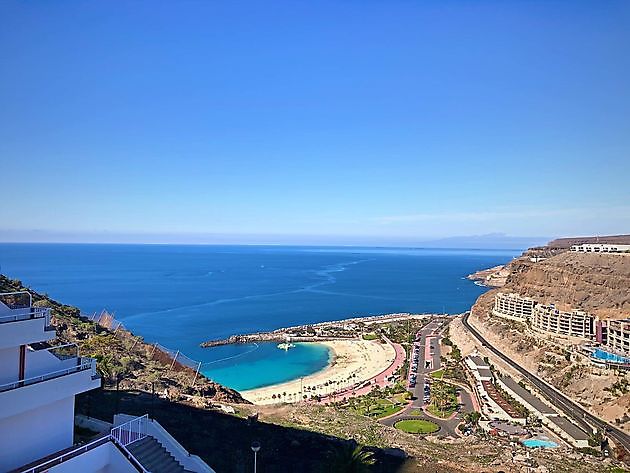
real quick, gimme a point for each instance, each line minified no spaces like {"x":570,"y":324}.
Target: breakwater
{"x":319,"y":332}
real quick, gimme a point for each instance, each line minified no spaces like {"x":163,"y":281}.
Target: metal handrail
{"x":131,"y":431}
{"x":14,"y":293}
{"x":85,"y":364}
{"x":128,"y":433}
{"x":27,"y":313}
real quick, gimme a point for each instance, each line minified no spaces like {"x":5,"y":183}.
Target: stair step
{"x":154,"y":457}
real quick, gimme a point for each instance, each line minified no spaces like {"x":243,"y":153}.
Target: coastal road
{"x":570,"y":408}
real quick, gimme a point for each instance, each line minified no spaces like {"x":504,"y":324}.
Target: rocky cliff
{"x":596,"y":283}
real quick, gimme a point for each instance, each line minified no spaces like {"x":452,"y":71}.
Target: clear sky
{"x":380,"y":119}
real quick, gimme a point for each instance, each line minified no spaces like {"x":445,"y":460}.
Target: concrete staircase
{"x":154,"y":457}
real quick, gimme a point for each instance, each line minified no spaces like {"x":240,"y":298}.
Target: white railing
{"x":26,"y":314}
{"x":82,"y":365}
{"x":132,"y":431}
{"x":43,"y":467}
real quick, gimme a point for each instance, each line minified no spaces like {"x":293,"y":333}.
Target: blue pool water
{"x":181,"y":295}
{"x":532,"y":443}
{"x":604,"y":355}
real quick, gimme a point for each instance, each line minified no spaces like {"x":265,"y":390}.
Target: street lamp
{"x":255,"y":449}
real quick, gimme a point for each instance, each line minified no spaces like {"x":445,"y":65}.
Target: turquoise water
{"x":277,"y":365}
{"x":531,"y":443}
{"x":181,"y":295}
{"x":604,"y":355}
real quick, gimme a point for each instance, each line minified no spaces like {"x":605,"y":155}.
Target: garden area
{"x":380,"y":402}
{"x":443,"y":399}
{"x":416,"y":426}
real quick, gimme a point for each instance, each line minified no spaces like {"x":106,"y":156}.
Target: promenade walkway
{"x":380,"y":380}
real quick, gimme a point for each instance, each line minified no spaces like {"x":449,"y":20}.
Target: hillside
{"x":596,"y":283}
{"x":126,"y":359}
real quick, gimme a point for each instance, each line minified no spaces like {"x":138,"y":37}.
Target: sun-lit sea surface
{"x":182,"y":295}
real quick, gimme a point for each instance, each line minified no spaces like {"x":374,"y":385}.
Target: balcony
{"x":20,"y":323}
{"x":51,"y":374}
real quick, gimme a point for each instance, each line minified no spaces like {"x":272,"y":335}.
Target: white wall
{"x":9,"y":365}
{"x":103,"y":459}
{"x":23,"y":332}
{"x":36,"y":433}
{"x":42,"y":361}
{"x":26,"y":398}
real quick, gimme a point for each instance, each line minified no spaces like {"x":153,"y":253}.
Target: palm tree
{"x":348,"y":459}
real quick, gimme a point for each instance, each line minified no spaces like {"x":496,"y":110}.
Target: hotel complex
{"x":600,"y":248}
{"x":38,"y":384}
{"x":513,"y":306}
{"x":546,"y":318}
{"x":618,"y":336}
{"x":612,"y":335}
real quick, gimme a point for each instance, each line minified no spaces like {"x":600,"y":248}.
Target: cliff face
{"x":596,"y":283}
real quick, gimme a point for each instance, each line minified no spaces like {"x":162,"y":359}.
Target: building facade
{"x":600,"y":248}
{"x":618,"y":336}
{"x":579,"y":324}
{"x":513,"y":306}
{"x":38,"y":384}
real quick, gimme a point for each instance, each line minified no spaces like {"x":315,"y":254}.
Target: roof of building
{"x":484,"y":373}
{"x":570,"y":428}
{"x":527,"y":396}
{"x":478,"y":361}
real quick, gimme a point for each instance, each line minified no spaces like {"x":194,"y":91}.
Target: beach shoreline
{"x":352,"y":363}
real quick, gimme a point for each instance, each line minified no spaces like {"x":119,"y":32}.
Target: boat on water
{"x":285,"y":346}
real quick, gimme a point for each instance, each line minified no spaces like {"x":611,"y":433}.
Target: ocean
{"x":182,"y":295}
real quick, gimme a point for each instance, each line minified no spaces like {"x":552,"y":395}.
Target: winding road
{"x":570,"y":408}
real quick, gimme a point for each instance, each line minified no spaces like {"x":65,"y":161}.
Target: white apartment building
{"x":618,"y":336}
{"x":513,"y":306}
{"x":600,"y":248}
{"x":38,"y":384}
{"x":546,"y":318}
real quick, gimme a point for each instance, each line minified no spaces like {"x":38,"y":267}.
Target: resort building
{"x":513,"y":306}
{"x":579,"y":324}
{"x":618,"y":336}
{"x":600,"y":248}
{"x":38,"y":384}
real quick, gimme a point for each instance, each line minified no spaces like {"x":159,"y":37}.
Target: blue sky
{"x":382,"y":120}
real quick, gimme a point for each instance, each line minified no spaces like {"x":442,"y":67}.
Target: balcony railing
{"x":26,"y":314}
{"x":83,"y":364}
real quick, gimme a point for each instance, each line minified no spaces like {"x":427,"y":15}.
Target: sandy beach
{"x":353,"y":362}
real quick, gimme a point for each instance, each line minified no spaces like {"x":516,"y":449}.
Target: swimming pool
{"x":532,"y":443}
{"x":604,"y":355}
